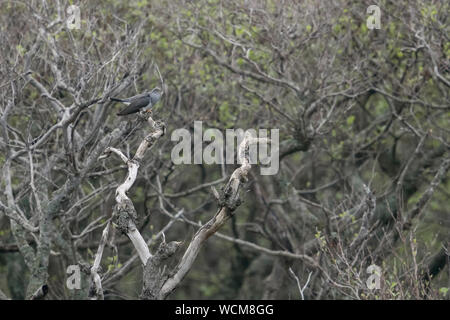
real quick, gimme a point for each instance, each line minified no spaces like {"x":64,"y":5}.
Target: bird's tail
{"x":116,"y":99}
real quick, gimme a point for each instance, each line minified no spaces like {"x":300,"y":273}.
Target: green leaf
{"x":20,"y":49}
{"x":443,"y":290}
{"x":350,"y":120}
{"x":240,"y":31}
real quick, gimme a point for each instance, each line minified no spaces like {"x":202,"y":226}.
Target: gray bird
{"x":141,"y":102}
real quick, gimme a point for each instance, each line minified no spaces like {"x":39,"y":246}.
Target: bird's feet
{"x":144,"y":115}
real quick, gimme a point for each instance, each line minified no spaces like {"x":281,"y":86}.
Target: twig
{"x":300,"y":289}
{"x":96,"y":281}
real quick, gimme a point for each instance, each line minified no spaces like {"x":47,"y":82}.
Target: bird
{"x":141,"y":102}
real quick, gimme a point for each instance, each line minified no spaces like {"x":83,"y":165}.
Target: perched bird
{"x":141,"y":102}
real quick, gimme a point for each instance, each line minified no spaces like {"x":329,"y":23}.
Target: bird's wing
{"x":135,"y":106}
{"x":130,"y":98}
